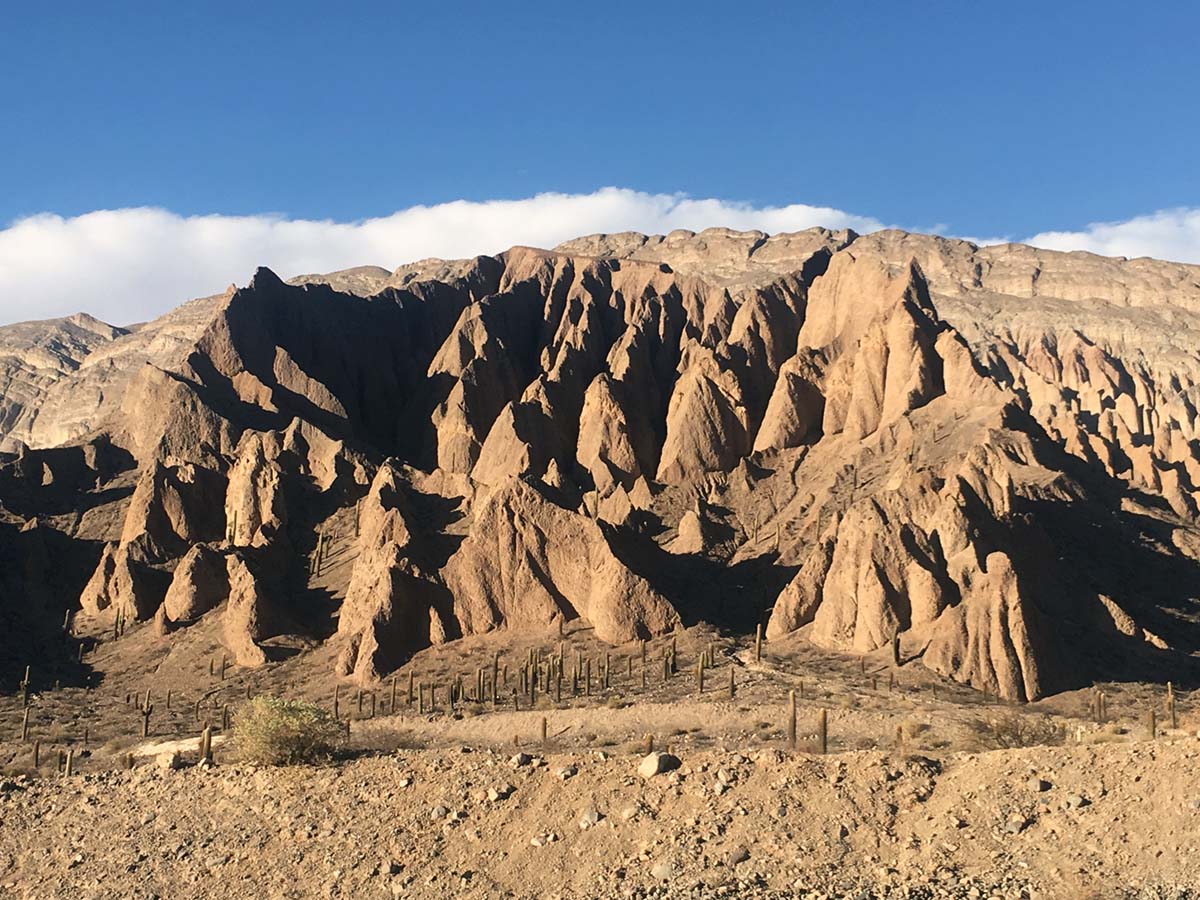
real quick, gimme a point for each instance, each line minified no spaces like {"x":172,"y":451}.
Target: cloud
{"x":1167,"y":234}
{"x":128,"y":265}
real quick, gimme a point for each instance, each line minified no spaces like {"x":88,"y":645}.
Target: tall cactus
{"x":146,"y":711}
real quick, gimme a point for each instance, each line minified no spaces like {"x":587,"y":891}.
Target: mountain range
{"x":986,"y":459}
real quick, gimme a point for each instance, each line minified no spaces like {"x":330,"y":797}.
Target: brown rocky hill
{"x":987,"y":455}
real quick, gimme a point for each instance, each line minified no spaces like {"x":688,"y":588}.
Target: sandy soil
{"x":927,"y":790}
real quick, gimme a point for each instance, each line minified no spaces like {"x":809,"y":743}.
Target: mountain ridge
{"x":892,"y":435}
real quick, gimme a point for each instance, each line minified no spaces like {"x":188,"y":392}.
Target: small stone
{"x":591,"y":816}
{"x":726,"y":777}
{"x":657,"y":763}
{"x":439,"y":812}
{"x":1075,"y":801}
{"x":630,"y":813}
{"x":567,"y":772}
{"x":662,"y":871}
{"x":521,"y":759}
{"x":1016,"y":824}
{"x":1038,"y":785}
{"x":738,"y":855}
{"x":500,"y":793}
{"x":169,"y":761}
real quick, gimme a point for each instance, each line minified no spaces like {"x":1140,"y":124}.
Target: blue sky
{"x":992,"y":120}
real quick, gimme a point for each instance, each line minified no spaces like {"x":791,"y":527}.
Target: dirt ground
{"x":928,"y":789}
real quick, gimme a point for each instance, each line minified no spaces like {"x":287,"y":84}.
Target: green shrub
{"x":275,"y":732}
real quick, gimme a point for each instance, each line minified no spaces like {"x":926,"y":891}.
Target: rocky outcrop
{"x":34,"y":357}
{"x":893,"y":435}
{"x":391,"y":608}
{"x":200,"y":583}
{"x":124,"y":584}
{"x":172,"y":508}
{"x":528,"y":563}
{"x":254,"y":504}
{"x":708,"y":426}
{"x":245,"y":619}
{"x":987,"y":640}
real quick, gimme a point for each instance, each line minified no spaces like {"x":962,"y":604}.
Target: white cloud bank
{"x":128,"y":265}
{"x":1167,"y":234}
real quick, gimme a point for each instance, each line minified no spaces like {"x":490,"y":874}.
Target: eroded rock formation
{"x":990,"y":453}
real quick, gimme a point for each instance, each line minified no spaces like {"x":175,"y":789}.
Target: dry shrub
{"x":272,"y":731}
{"x":116,"y":745}
{"x":1011,"y":730}
{"x":382,"y":738}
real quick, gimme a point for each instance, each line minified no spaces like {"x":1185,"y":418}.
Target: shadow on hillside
{"x":735,"y":597}
{"x":42,"y":572}
{"x":1072,"y":551}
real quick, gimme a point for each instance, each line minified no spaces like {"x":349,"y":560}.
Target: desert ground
{"x":519,"y":522}
{"x":927,"y":788}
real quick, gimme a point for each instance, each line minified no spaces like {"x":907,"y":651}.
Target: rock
{"x":1075,"y":801}
{"x":1037,"y":785}
{"x":657,"y":763}
{"x":590,"y":816}
{"x":566,"y":772}
{"x":619,"y":604}
{"x":737,"y":855}
{"x":200,"y":583}
{"x":930,"y":419}
{"x":501,"y":793}
{"x":245,"y":621}
{"x":391,"y":608}
{"x":520,"y":760}
{"x":124,"y":583}
{"x":169,"y":760}
{"x":1016,"y":823}
{"x":662,"y":871}
{"x":439,"y":812}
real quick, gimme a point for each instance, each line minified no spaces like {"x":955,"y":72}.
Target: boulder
{"x":657,"y":763}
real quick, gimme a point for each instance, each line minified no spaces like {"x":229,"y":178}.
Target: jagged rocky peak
{"x":718,"y":255}
{"x":991,"y":454}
